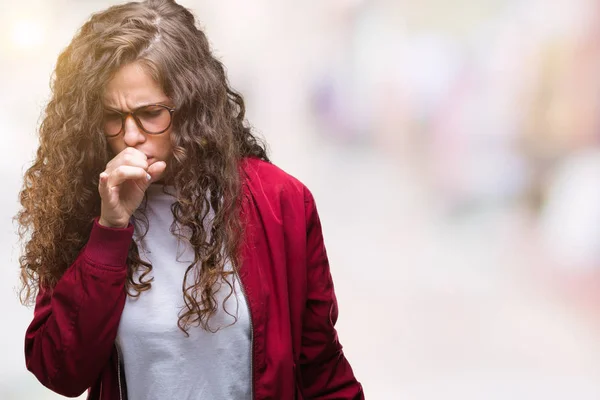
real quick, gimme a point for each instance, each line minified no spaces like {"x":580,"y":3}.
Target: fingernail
{"x":148,"y":176}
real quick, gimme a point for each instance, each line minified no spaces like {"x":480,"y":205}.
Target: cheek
{"x":116,"y":146}
{"x":164,"y":146}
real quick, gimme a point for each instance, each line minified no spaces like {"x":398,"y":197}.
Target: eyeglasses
{"x":153,"y":119}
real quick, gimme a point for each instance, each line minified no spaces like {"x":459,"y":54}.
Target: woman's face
{"x":129,"y":89}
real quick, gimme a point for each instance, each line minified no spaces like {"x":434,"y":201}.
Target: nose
{"x":133,"y":135}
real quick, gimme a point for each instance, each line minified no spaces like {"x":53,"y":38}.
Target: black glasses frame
{"x":124,"y":116}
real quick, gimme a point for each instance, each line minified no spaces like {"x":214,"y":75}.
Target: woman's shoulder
{"x":271,"y":179}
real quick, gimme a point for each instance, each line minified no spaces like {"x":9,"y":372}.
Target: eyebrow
{"x":164,"y":102}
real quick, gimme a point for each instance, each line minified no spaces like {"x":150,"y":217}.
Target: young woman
{"x":167,"y":257}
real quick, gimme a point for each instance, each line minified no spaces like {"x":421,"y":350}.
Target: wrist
{"x":105,"y":223}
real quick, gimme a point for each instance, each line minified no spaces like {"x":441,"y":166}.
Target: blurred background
{"x":453,"y":149}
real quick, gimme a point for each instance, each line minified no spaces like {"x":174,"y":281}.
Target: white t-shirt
{"x":160,"y":361}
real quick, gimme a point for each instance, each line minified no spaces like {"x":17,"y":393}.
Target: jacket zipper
{"x":251,"y":335}
{"x":119,"y":373}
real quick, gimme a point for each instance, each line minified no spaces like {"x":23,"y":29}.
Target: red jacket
{"x":69,"y":345}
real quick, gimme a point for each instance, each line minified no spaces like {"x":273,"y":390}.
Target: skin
{"x":138,"y":155}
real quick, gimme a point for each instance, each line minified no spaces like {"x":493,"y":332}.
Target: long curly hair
{"x":210,"y":137}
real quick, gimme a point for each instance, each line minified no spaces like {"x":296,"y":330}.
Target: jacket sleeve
{"x":74,"y":325}
{"x":325,"y":371}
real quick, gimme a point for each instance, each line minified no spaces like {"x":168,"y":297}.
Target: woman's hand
{"x":123,"y":184}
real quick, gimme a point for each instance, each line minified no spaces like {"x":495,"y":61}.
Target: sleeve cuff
{"x":108,"y":246}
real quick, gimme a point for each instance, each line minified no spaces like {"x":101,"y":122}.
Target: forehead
{"x":131,"y":86}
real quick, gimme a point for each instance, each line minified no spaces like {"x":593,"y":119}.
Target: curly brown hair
{"x":60,"y":196}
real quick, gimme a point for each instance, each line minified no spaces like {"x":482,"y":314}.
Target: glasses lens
{"x":112,"y":123}
{"x":154,"y":119}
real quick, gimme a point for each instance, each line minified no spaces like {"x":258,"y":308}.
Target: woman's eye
{"x":150,"y":113}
